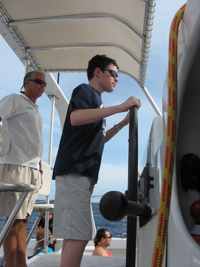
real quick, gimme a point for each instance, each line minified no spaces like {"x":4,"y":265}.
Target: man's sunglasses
{"x":109,"y":236}
{"x":112,"y":72}
{"x":38,"y":81}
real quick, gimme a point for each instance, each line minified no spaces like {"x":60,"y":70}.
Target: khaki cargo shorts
{"x":73,"y":217}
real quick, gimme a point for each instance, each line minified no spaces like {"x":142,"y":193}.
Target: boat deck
{"x":53,"y":260}
{"x":117,"y":248}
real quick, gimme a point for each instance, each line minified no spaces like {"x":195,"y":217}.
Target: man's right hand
{"x":130,"y":102}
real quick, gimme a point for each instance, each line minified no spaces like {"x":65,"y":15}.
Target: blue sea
{"x":117,"y":229}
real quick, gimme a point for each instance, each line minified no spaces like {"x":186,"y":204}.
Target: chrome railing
{"x":6,"y":187}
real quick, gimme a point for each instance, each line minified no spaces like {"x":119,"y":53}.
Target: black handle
{"x":132,"y":187}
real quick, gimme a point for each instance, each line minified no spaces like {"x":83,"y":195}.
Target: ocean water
{"x":117,"y":229}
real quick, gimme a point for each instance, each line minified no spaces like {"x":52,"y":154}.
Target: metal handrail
{"x":34,"y":227}
{"x":7,"y":187}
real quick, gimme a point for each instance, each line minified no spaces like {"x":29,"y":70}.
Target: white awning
{"x":62,"y":35}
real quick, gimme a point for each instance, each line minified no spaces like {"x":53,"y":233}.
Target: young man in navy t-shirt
{"x":79,"y":156}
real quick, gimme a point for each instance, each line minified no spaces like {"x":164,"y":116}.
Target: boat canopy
{"x":62,"y":35}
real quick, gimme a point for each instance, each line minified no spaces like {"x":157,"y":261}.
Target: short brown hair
{"x":101,"y":61}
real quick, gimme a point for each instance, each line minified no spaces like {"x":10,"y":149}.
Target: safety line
{"x":165,"y":200}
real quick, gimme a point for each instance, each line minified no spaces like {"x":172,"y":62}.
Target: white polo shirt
{"x":21,"y":118}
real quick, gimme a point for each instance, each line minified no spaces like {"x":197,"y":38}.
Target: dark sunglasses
{"x":112,"y":72}
{"x":109,"y":236}
{"x":38,"y":81}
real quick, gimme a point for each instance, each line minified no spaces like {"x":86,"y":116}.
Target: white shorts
{"x":73,"y":217}
{"x":18,"y":174}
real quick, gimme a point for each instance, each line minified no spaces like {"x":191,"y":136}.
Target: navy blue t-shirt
{"x":81,"y":147}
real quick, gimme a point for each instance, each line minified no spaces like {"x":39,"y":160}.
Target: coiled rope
{"x":165,"y":200}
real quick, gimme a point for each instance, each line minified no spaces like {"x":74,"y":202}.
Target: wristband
{"x":41,"y":171}
{"x":116,"y":127}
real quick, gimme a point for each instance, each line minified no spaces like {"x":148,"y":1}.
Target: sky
{"x":114,"y":168}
